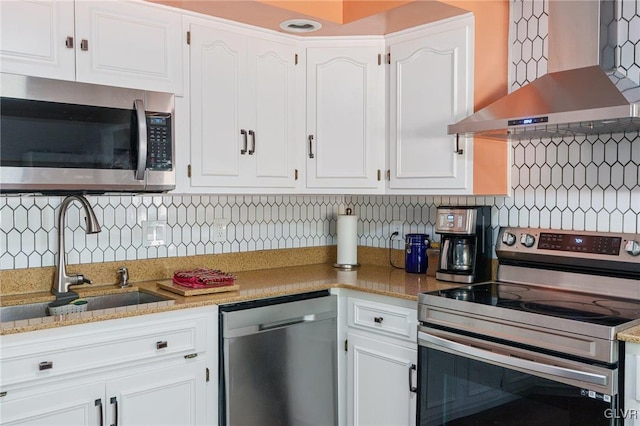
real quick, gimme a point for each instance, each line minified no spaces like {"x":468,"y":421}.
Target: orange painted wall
{"x":491,"y":164}
{"x":338,"y":11}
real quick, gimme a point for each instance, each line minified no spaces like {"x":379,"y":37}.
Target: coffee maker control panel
{"x":456,"y":221}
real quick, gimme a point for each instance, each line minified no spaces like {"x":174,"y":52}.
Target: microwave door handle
{"x":142,"y":139}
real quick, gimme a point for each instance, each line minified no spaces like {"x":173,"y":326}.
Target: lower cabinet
{"x":380,"y":376}
{"x":631,"y":412}
{"x":156,"y":369}
{"x":173,"y":395}
{"x":380,"y":361}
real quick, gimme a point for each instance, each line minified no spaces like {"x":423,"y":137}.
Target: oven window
{"x":455,"y":390}
{"x":56,"y":135}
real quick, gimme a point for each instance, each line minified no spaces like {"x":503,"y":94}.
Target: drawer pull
{"x":162,"y":344}
{"x":378,"y":320}
{"x":47,"y":365}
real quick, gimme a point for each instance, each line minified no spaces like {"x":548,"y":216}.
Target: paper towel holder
{"x":347,"y":266}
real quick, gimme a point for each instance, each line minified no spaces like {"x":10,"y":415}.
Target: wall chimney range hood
{"x":583,"y":92}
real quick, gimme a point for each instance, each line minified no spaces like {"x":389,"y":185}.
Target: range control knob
{"x":508,"y":238}
{"x":632,"y":247}
{"x":527,"y":240}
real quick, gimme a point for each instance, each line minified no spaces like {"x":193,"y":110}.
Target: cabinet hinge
{"x":379,"y":175}
{"x":389,"y":58}
{"x":189,"y":170}
{"x":388,"y":174}
{"x":207,"y":374}
{"x":346,"y":345}
{"x":189,"y":356}
{"x":295,"y":173}
{"x":188,"y":37}
{"x":295,"y":62}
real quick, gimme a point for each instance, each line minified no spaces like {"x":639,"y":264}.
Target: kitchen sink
{"x":38,"y":310}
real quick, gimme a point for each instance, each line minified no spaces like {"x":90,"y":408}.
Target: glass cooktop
{"x":585,"y":307}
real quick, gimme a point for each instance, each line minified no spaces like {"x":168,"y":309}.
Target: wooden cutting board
{"x":186,"y":291}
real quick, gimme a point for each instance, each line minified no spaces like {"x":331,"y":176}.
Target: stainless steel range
{"x":539,"y":344}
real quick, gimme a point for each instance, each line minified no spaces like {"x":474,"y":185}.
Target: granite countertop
{"x":256,"y":284}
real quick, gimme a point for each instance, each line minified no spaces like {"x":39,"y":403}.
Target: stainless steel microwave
{"x":60,"y":137}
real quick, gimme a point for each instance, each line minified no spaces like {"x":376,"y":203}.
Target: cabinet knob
{"x":378,"y":320}
{"x":84,"y":44}
{"x":69,"y":42}
{"x":162,"y":344}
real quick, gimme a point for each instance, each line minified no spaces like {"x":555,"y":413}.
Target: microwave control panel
{"x":159,"y":146}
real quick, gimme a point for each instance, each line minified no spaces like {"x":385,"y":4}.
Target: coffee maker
{"x":465,"y":243}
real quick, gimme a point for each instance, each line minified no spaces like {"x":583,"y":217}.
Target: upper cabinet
{"x":345,"y":118}
{"x":430,"y":87}
{"x":126,"y":44}
{"x":243,"y":102}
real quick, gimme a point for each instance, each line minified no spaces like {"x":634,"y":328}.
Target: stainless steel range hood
{"x":583,"y":93}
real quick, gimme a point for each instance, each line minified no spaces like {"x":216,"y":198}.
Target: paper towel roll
{"x":347,"y":240}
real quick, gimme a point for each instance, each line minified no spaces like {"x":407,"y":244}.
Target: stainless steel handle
{"x":46,"y":365}
{"x":142,"y":139}
{"x":412,"y":388}
{"x":99,"y":405}
{"x":69,"y":42}
{"x":458,"y":150}
{"x":84,"y":44}
{"x":274,"y":325}
{"x":378,"y":320}
{"x":286,"y":323}
{"x":114,"y":402}
{"x":253,"y":142}
{"x":311,"y":146}
{"x":444,"y":253}
{"x":508,"y":361}
{"x":243,"y":132}
{"x":162,"y":344}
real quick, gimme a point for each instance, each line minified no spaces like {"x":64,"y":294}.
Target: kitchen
{"x":558,"y":184}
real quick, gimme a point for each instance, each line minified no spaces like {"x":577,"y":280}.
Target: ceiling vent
{"x":300,"y":25}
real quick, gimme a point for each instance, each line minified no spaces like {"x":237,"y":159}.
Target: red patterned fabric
{"x":203,"y":278}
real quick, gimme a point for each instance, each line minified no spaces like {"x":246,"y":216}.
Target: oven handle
{"x":425,"y":339}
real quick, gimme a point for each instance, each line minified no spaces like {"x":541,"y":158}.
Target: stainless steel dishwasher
{"x":278,"y":361}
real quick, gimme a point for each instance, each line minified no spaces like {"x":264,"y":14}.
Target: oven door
{"x":468,"y":381}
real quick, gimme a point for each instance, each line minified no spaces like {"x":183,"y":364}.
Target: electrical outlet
{"x":220,"y":230}
{"x":396,"y":226}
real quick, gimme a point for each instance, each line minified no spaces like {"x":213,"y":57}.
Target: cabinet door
{"x":33,"y":38}
{"x":129,"y":45}
{"x":174,"y":395}
{"x":378,"y":380}
{"x":218,"y":71}
{"x":431,"y":86}
{"x":345,"y":117}
{"x":81,"y":405}
{"x":272,"y":100}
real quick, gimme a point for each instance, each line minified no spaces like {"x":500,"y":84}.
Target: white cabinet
{"x":345,"y":118}
{"x":381,"y":361}
{"x":151,"y":369}
{"x":117,"y":43}
{"x":243,"y":102}
{"x":631,"y":411}
{"x":430,"y":87}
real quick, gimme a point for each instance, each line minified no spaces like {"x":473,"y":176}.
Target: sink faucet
{"x":63,"y":281}
{"x":124,"y":277}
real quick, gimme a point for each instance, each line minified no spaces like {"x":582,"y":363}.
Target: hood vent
{"x":583,"y":93}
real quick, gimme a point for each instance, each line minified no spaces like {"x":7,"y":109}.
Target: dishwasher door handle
{"x":286,"y":323}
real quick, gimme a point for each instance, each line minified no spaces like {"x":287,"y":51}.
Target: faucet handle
{"x":124,"y":276}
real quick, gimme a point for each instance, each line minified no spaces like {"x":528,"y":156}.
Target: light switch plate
{"x":153,"y":232}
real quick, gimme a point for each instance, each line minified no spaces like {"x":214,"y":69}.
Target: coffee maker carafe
{"x":465,"y":243}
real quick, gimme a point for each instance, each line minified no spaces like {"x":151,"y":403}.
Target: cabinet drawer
{"x":382,"y":318}
{"x":80,"y":348}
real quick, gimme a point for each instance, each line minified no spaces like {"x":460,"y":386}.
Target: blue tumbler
{"x":416,"y":246}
